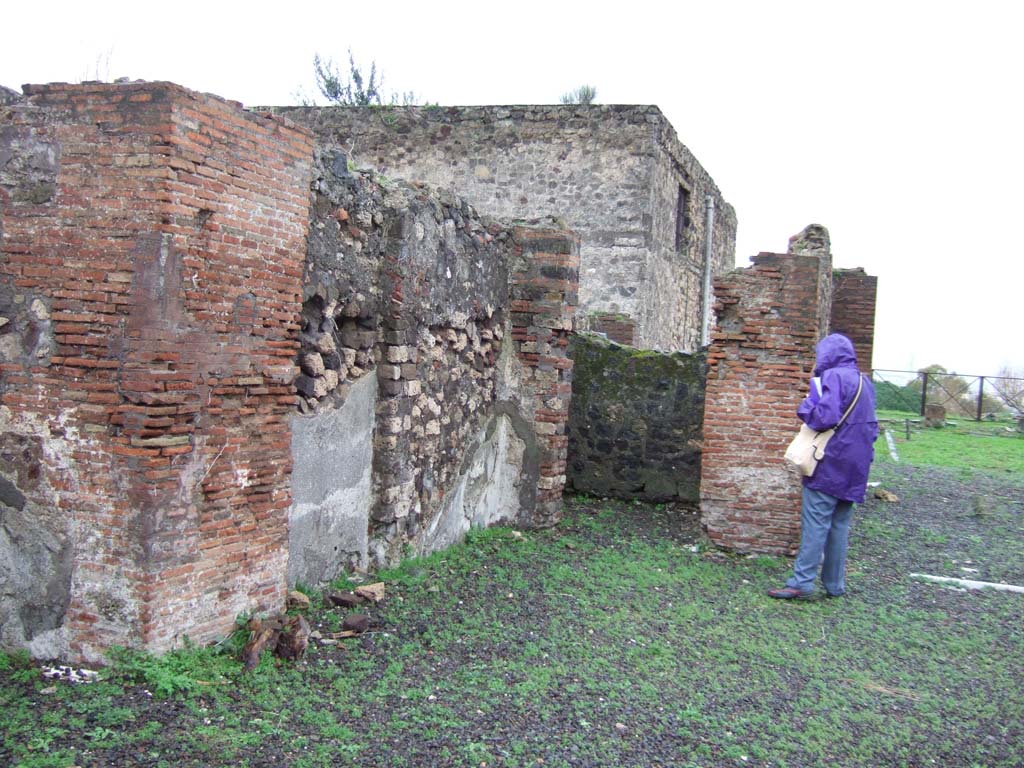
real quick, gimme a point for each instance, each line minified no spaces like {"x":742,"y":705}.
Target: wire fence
{"x":951,"y":395}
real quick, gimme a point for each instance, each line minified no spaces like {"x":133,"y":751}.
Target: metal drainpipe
{"x":705,"y":333}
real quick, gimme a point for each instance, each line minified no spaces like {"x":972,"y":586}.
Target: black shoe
{"x":789,"y":593}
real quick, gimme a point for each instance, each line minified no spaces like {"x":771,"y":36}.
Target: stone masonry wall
{"x":616,"y":175}
{"x":636,"y":425}
{"x":433,"y":336}
{"x":759,"y":366}
{"x":152,"y":243}
{"x":673,"y":281}
{"x":854,"y":293}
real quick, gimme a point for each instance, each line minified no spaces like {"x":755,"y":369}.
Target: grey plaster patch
{"x":487,"y":492}
{"x":332,"y":488}
{"x":35,"y":583}
{"x":36,"y":535}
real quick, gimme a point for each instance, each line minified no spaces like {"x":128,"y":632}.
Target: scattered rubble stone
{"x":288,"y":636}
{"x":357,"y":622}
{"x":70,"y":674}
{"x":372,"y":592}
{"x":345,"y":599}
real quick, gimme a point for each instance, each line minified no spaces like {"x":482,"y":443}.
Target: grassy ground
{"x":618,"y":639}
{"x":962,"y":443}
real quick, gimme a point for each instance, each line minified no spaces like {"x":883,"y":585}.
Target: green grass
{"x":964,"y":444}
{"x":612,"y":646}
{"x":606,"y":642}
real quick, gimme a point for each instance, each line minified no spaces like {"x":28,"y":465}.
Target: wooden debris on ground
{"x":288,"y":636}
{"x":332,"y":638}
{"x":294,"y":638}
{"x":259,"y":638}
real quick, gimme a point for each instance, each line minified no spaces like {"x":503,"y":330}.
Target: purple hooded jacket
{"x":843,"y":472}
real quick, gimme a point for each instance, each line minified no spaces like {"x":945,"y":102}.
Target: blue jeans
{"x":825,"y":534}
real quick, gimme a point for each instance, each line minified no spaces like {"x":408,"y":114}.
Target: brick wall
{"x":618,"y":328}
{"x":760,"y":362}
{"x":167,"y":254}
{"x":853,"y":311}
{"x":543,"y":303}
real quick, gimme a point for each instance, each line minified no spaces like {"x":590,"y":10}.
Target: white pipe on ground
{"x":968,"y":583}
{"x":892,"y":446}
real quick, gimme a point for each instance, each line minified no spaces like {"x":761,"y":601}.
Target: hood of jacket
{"x":835,"y":351}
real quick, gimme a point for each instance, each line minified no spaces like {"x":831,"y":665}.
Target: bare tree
{"x":585,"y":94}
{"x":356,"y":89}
{"x":1009,"y":384}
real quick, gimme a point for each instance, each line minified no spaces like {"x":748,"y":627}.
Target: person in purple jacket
{"x":841,"y":477}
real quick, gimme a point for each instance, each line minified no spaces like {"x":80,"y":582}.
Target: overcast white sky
{"x":898,"y":125}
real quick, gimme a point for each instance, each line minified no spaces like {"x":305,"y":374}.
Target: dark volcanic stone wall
{"x":636,"y":423}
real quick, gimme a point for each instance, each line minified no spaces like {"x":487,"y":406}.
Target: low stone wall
{"x":636,"y":425}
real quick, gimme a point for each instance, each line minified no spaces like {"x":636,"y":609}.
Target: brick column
{"x":544,"y":295}
{"x":760,"y":361}
{"x":169,"y":256}
{"x":853,"y":311}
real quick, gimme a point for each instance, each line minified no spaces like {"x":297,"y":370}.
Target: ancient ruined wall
{"x":173,"y":344}
{"x":759,"y":365}
{"x":544,"y":296}
{"x":854,"y":293}
{"x":636,"y":423}
{"x":153,"y":242}
{"x":610,"y":173}
{"x":673,"y":283}
{"x":814,"y":240}
{"x":430,"y":340}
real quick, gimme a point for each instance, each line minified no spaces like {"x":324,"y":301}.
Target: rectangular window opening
{"x":682,"y":219}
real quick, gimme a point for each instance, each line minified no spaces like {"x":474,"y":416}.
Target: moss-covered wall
{"x":636,"y":422}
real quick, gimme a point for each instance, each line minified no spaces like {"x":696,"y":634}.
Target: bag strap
{"x":860,"y":386}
